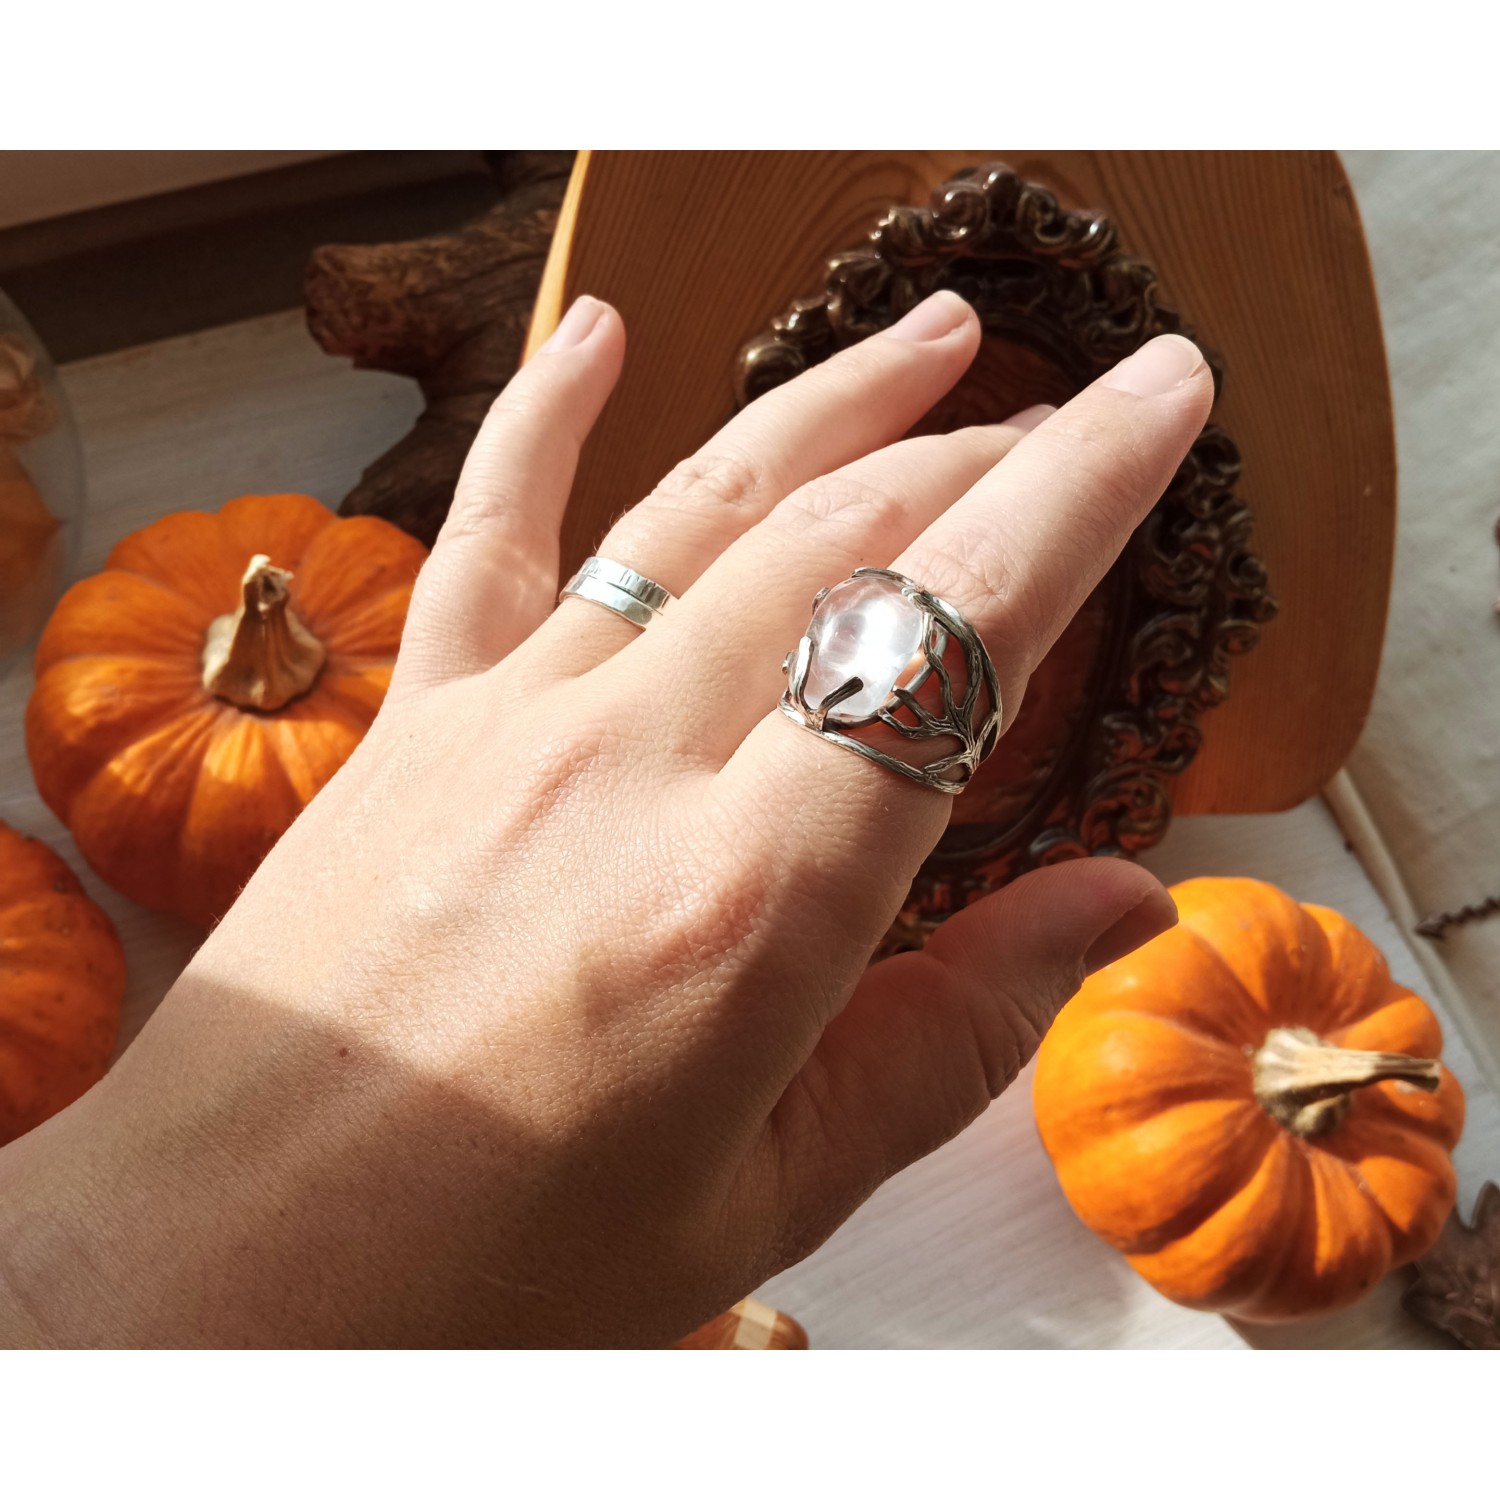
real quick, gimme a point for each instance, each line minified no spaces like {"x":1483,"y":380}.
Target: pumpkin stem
{"x":1308,"y":1084}
{"x":261,"y":656}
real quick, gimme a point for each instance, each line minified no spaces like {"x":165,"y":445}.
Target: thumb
{"x":930,"y":1038}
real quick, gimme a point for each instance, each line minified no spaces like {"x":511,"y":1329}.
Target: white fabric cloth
{"x":1427,"y":769}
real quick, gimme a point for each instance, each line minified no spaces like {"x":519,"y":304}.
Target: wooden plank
{"x":150,"y":269}
{"x":1261,"y":250}
{"x":44,"y":184}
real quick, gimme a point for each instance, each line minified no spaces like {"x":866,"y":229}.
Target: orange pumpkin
{"x":193,"y":697}
{"x":1250,"y":1107}
{"x":62,"y":978}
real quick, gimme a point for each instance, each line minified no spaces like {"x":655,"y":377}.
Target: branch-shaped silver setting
{"x":971,"y":720}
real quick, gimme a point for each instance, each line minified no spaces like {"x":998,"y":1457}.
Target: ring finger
{"x":1017,"y":555}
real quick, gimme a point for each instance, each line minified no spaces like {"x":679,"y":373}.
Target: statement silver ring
{"x":634,"y":596}
{"x":873,"y":643}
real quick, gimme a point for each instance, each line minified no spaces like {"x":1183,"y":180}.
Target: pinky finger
{"x":492,"y":577}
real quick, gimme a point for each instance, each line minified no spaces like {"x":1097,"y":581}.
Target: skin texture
{"x":1145,"y":1101}
{"x":550,"y":1021}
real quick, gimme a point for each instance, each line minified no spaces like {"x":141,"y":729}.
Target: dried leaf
{"x":1457,"y":1283}
{"x":1437,"y":925}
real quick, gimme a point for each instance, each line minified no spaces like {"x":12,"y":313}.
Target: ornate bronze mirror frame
{"x":1115,"y":711}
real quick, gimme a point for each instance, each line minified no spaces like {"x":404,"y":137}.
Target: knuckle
{"x":720,"y":477}
{"x":555,"y":768}
{"x":844,"y":502}
{"x":525,"y":421}
{"x":1003,"y":1045}
{"x":682,"y":944}
{"x":522,"y":399}
{"x":1015,"y":602}
{"x":480,"y":504}
{"x":694,"y":508}
{"x":709,"y":914}
{"x":978,"y":572}
{"x":986,"y":1057}
{"x":1006,"y":1036}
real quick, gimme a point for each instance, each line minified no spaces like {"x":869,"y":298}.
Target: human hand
{"x":550,"y":1019}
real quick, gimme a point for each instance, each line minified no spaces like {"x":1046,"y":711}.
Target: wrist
{"x":50,"y":1263}
{"x":120,"y":1217}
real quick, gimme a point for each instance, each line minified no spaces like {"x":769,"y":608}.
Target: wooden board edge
{"x":551,"y":292}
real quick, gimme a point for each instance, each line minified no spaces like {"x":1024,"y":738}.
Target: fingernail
{"x":576,"y":326}
{"x":940,"y":314}
{"x":1157,"y":367}
{"x":1033,"y":416}
{"x":1154,"y":916}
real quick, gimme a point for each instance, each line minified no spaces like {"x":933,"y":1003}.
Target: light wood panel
{"x":1262,"y":251}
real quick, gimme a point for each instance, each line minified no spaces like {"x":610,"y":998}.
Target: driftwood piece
{"x":451,"y":311}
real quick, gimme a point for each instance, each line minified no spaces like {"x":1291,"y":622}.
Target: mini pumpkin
{"x":192,"y":698}
{"x":62,"y":978}
{"x":1251,"y":1109}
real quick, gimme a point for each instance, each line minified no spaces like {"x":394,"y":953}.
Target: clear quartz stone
{"x":864,"y":628}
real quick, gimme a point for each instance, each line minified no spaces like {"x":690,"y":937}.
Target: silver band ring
{"x":873,"y":642}
{"x":634,"y":596}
